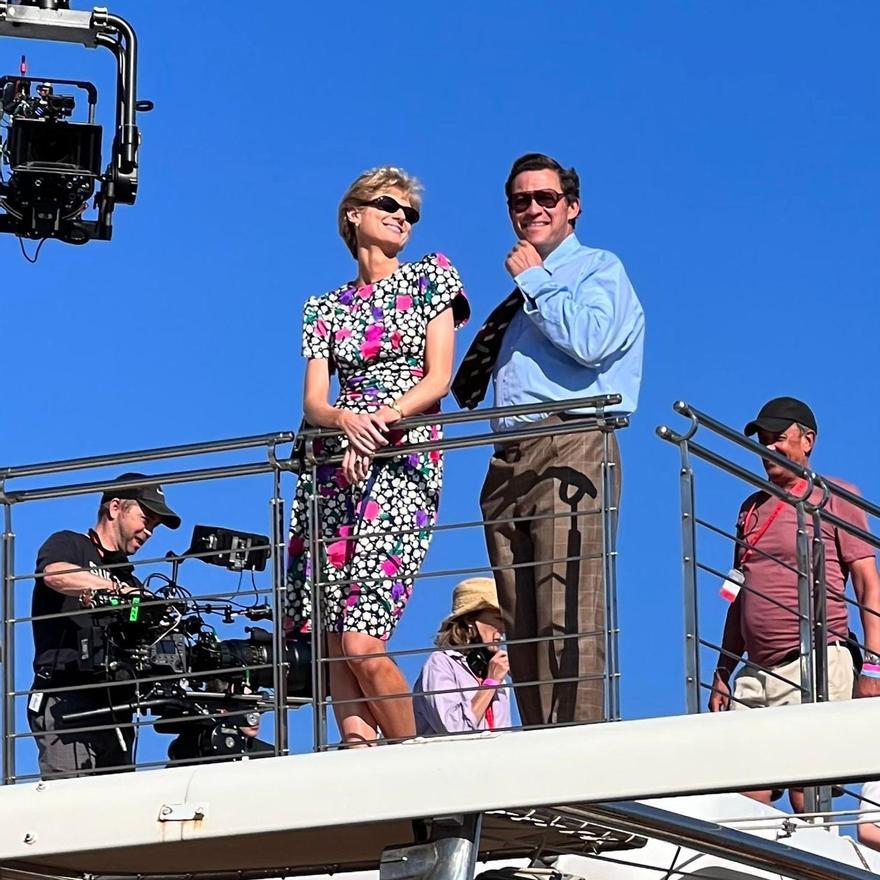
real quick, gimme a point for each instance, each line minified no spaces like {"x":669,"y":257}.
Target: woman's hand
{"x":499,"y":666}
{"x":389,"y":415}
{"x":365,"y":431}
{"x":356,"y":466}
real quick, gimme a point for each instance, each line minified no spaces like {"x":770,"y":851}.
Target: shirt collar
{"x":563,"y":251}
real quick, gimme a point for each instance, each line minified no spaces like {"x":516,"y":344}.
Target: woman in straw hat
{"x":460,"y":687}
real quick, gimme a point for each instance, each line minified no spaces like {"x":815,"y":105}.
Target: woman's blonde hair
{"x":368,"y":186}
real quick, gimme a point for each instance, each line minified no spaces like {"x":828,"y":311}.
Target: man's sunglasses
{"x":392,"y":206}
{"x":546,"y":198}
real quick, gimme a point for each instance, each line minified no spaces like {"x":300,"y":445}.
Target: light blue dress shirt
{"x":580,"y":333}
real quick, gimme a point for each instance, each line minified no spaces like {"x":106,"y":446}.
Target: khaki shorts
{"x":756,"y":689}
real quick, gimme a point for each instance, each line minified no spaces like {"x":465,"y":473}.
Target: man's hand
{"x":720,"y":699}
{"x":867,"y":687}
{"x":522,"y":257}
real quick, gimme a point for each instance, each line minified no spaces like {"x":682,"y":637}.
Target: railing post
{"x":315,"y":549}
{"x":609,"y":562}
{"x":805,"y":606}
{"x":689,"y":580}
{"x":805,"y":626}
{"x":8,"y":655}
{"x":820,"y":635}
{"x":280,"y":665}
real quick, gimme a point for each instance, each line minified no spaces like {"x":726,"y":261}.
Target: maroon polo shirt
{"x":771,"y":632}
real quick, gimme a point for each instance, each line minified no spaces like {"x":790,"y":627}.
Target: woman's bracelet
{"x":395,"y":405}
{"x":491,"y":683}
{"x":871,"y":670}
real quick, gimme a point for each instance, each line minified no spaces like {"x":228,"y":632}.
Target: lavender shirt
{"x":451,"y":712}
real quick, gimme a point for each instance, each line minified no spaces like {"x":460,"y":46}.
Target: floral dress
{"x":374,"y":534}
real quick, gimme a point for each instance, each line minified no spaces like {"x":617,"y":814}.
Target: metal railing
{"x":143,"y":699}
{"x":811,"y":497}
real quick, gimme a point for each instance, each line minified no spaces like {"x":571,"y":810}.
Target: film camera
{"x":52,"y":164}
{"x":205,"y":689}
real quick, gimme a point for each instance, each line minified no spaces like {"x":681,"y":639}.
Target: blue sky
{"x":727,"y":154}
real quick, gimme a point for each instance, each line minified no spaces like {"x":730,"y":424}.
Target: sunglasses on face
{"x":392,"y":206}
{"x":546,"y":198}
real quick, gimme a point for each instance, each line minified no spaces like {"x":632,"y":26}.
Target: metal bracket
{"x":61,"y":25}
{"x":182,"y":812}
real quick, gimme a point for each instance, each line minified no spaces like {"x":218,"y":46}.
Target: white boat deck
{"x":334,"y":811}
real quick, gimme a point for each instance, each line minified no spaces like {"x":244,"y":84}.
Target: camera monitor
{"x":237,"y":551}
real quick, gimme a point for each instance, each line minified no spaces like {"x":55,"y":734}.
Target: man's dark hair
{"x":568,"y":177}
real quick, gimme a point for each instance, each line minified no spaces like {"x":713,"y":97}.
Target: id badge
{"x":35,"y":701}
{"x":732,"y":583}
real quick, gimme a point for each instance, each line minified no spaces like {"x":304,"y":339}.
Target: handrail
{"x":598,"y":402}
{"x":161,"y":452}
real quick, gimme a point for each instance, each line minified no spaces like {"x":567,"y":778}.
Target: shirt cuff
{"x":529,"y":282}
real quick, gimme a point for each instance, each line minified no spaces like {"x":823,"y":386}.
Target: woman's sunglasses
{"x":392,"y":206}
{"x":546,"y":198}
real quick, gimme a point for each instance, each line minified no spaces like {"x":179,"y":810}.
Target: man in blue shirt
{"x":573,"y":327}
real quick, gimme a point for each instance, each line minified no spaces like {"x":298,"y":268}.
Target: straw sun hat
{"x":471,"y":595}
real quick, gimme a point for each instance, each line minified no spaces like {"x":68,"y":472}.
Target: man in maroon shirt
{"x":762,"y":621}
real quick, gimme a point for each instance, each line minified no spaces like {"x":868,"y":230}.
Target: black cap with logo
{"x":777,"y":414}
{"x":150,"y":497}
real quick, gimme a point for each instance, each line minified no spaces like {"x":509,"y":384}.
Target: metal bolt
{"x":165,"y":811}
{"x":30,"y":838}
{"x":41,"y":786}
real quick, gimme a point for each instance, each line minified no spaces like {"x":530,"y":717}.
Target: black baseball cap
{"x":777,"y":414}
{"x":151,"y":498}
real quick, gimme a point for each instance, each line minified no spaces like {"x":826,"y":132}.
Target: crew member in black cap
{"x":762,"y":621}
{"x":71,"y":568}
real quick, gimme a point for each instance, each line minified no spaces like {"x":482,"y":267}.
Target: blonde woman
{"x":388,"y":335}
{"x":460,"y":687}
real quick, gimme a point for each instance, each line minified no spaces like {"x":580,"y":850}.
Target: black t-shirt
{"x":57,"y":641}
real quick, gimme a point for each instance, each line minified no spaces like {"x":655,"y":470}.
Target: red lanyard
{"x":753,"y":542}
{"x":490,"y":716}
{"x":490,"y":712}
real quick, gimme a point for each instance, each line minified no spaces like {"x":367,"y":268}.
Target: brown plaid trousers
{"x":558,"y":587}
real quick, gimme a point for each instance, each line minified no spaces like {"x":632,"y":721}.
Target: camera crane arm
{"x":52,"y":20}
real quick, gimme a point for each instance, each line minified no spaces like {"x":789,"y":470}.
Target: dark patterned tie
{"x":472,"y":379}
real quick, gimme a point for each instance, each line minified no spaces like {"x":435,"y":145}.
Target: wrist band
{"x":395,"y":405}
{"x":871,"y":670}
{"x":873,"y":667}
{"x":492,"y":683}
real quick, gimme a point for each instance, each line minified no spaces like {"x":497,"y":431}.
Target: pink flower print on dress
{"x":404,"y":303}
{"x":369,"y":350}
{"x":372,"y":343}
{"x":371,"y":510}
{"x":339,"y":553}
{"x":343,"y":333}
{"x":354,"y":593}
{"x":365,"y":292}
{"x":396,"y":339}
{"x":295,"y":546}
{"x":321,"y":328}
{"x":443,"y":261}
{"x":392,"y":565}
{"x":434,"y":455}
